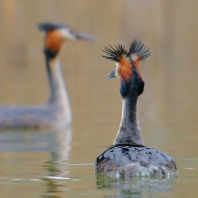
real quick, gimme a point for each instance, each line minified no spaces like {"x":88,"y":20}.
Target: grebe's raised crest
{"x":50,"y":26}
{"x":137,"y":51}
{"x":127,"y":63}
{"x":124,"y":60}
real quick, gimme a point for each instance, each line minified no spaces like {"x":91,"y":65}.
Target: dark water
{"x":60,"y":163}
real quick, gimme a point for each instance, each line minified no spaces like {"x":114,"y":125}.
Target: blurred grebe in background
{"x":128,"y":156}
{"x":56,"y":112}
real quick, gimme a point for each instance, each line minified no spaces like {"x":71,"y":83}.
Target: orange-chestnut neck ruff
{"x":54,"y":40}
{"x":124,"y":68}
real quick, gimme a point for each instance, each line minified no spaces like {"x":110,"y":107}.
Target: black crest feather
{"x":138,"y":48}
{"x":114,"y":54}
{"x":51,"y":26}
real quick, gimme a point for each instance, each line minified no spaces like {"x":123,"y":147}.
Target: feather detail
{"x":124,"y":69}
{"x":137,"y":51}
{"x":115,"y":54}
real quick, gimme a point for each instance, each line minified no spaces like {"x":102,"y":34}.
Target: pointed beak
{"x":111,"y":74}
{"x":69,"y":34}
{"x":85,"y":36}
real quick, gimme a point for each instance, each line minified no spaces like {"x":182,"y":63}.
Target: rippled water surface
{"x":60,"y":163}
{"x":50,"y":164}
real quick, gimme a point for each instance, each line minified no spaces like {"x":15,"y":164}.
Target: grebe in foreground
{"x":56,"y":112}
{"x":128,"y":156}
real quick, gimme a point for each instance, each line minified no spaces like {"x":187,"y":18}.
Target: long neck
{"x":129,"y":130}
{"x":58,"y":94}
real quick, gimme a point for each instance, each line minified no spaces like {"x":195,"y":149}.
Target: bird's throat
{"x":129,"y":130}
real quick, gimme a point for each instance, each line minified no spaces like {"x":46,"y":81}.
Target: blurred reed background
{"x":168,"y":107}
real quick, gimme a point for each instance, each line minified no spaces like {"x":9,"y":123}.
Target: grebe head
{"x":56,"y":34}
{"x":127,"y":66}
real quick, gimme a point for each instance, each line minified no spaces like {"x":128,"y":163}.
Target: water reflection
{"x":56,"y":171}
{"x":134,"y":187}
{"x":56,"y":143}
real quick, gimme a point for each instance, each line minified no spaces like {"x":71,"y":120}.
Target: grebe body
{"x":128,"y":156}
{"x":134,"y":160}
{"x":55,"y":113}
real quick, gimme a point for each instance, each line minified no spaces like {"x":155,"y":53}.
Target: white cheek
{"x":67,"y":33}
{"x":116,"y":70}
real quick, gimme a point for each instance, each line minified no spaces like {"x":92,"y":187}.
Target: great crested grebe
{"x":56,"y":112}
{"x":128,"y":156}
